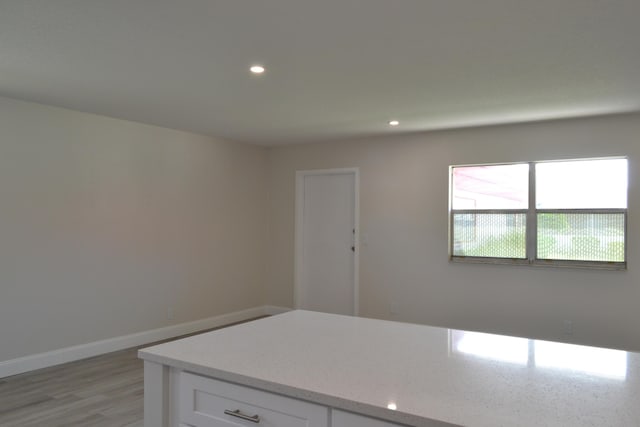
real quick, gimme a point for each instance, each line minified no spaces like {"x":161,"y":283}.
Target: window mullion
{"x":532,"y":220}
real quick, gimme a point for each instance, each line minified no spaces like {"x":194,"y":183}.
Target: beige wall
{"x":403,"y":213}
{"x":105,"y":223}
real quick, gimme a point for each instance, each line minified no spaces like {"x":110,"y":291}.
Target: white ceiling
{"x":335,"y":68}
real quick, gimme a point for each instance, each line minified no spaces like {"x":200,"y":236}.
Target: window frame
{"x":531,"y":214}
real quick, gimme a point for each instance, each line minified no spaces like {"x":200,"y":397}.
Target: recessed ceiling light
{"x":257,"y":69}
{"x":393,"y":123}
{"x":392,"y":406}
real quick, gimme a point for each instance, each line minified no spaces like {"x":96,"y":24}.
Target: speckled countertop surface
{"x":433,"y":376}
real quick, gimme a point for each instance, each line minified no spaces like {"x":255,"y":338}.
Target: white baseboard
{"x":272,"y":310}
{"x":77,"y":352}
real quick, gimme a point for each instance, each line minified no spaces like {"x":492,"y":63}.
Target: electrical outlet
{"x":394,"y":307}
{"x":170,"y":313}
{"x":567,"y":327}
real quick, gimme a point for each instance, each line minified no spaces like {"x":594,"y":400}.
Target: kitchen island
{"x":313,"y":369}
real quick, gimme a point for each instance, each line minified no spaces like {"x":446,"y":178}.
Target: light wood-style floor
{"x":102,"y":391}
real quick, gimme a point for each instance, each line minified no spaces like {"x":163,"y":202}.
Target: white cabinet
{"x":347,"y":419}
{"x":206,"y":402}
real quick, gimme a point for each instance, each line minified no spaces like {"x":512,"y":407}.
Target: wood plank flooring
{"x":102,"y":391}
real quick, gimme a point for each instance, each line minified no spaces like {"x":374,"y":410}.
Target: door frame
{"x":300,"y":176}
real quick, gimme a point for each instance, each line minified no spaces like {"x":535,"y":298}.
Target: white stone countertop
{"x":433,"y":376}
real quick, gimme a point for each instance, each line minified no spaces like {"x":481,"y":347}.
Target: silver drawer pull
{"x":238,"y":414}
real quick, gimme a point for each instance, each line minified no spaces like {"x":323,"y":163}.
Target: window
{"x":553,"y":213}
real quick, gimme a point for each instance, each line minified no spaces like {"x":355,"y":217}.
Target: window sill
{"x":581,"y":265}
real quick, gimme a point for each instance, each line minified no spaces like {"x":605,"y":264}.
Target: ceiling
{"x":335,"y":68}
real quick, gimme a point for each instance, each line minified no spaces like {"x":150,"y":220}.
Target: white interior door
{"x":326,"y":236}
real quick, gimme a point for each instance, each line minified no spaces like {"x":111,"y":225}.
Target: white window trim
{"x":531,"y":236}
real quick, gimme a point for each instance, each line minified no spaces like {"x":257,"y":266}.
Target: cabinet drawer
{"x":347,"y":419}
{"x":205,"y":402}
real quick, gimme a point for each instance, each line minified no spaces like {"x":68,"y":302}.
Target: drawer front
{"x":205,"y":402}
{"x":347,"y":419}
